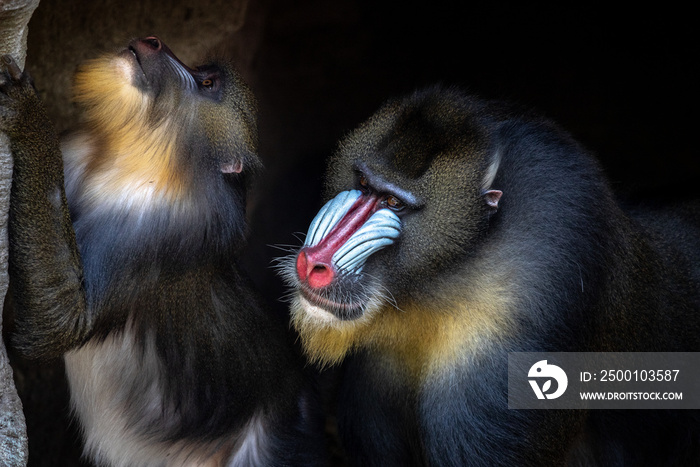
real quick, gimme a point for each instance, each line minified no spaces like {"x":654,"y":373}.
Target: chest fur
{"x":117,"y":392}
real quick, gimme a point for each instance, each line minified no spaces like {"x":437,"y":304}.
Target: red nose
{"x":152,"y":42}
{"x":317,"y":273}
{"x":147,"y":45}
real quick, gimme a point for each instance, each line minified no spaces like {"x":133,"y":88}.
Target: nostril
{"x":153,"y":42}
{"x":320,"y":276}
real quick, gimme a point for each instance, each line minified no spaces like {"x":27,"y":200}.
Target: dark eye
{"x":394,"y":203}
{"x":362,"y":180}
{"x":207,"y":83}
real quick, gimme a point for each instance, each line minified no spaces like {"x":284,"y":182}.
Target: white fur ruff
{"x":102,"y":378}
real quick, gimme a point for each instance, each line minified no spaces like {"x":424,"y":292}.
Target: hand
{"x":19,"y":102}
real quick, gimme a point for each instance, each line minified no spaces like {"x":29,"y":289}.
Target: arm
{"x":45,"y":269}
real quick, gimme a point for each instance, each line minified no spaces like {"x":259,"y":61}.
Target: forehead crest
{"x":426,"y":127}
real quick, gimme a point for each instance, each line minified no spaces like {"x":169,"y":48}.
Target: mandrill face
{"x":163,"y":124}
{"x":345,"y":233}
{"x":168,"y":148}
{"x":410,"y":198}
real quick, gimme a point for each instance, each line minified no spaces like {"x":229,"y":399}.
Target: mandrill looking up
{"x":130,"y":272}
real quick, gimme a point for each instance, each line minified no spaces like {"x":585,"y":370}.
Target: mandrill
{"x":130,"y":271}
{"x":458,"y":230}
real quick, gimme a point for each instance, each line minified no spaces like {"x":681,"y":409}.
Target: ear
{"x":231,"y":167}
{"x":492,"y":197}
{"x":491,"y":171}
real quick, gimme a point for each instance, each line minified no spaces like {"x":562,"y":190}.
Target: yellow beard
{"x":420,"y":338}
{"x":131,"y":155}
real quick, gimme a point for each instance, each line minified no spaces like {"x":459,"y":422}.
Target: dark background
{"x":621,"y":80}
